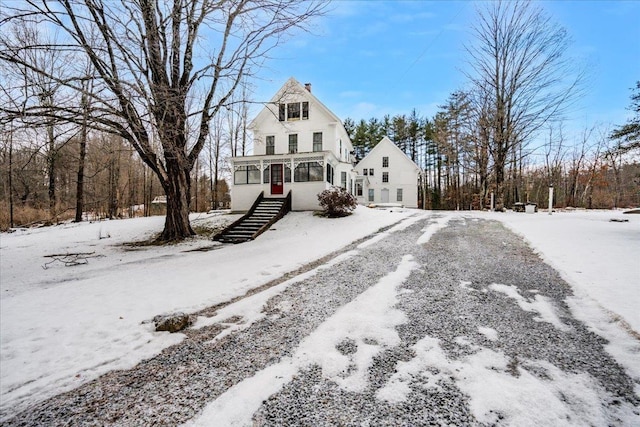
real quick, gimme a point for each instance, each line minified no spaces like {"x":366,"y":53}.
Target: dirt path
{"x":477,"y":309}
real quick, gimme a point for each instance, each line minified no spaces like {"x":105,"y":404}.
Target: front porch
{"x":304,"y":174}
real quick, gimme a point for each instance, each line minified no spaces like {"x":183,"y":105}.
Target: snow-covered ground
{"x":600,"y":258}
{"x":62,"y":326}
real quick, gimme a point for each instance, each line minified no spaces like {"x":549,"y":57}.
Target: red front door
{"x":277,"y":184}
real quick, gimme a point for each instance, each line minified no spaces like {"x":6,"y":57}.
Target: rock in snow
{"x":171,"y":322}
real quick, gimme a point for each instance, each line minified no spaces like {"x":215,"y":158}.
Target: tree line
{"x":590,"y":170}
{"x":96,"y":177}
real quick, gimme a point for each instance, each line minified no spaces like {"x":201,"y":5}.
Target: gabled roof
{"x":291,"y":89}
{"x":386,"y":142}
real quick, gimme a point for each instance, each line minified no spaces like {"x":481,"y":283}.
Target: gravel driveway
{"x":474,"y":331}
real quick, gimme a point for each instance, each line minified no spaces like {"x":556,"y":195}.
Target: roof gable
{"x":386,"y":144}
{"x":291,"y":91}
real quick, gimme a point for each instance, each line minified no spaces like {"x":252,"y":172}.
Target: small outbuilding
{"x":387,"y":175}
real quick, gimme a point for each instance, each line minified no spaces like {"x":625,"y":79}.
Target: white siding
{"x":403,"y":173}
{"x":336,"y":148}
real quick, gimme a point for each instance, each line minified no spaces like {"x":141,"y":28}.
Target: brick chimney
{"x":307,"y":86}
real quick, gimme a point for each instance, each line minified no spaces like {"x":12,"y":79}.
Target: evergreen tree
{"x":628,"y":135}
{"x":350,"y":127}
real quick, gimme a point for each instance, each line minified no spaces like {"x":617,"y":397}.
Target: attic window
{"x":293,"y":111}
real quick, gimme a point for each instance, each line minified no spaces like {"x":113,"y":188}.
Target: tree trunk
{"x":114,"y":178}
{"x":11,"y":179}
{"x":80,"y":181}
{"x":500,"y":160}
{"x":214,"y":201}
{"x":177,"y":188}
{"x":81,"y":160}
{"x":51,"y":171}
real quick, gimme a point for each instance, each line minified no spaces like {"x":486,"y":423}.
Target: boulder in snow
{"x":171,"y":322}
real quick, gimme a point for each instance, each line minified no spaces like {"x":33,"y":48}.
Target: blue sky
{"x":369,"y":58}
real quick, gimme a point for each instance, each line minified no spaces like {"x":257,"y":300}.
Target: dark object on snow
{"x":171,"y":322}
{"x":618,"y":220}
{"x":522,"y":207}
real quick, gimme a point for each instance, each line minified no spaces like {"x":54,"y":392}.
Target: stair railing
{"x":284,"y":209}
{"x":242,"y":218}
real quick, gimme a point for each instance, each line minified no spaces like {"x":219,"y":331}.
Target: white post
{"x":493,"y":206}
{"x":550,"y":198}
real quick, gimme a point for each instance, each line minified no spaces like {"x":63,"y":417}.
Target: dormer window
{"x":293,"y":111}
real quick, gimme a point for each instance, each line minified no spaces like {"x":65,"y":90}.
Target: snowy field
{"x":600,"y":258}
{"x":65,"y":325}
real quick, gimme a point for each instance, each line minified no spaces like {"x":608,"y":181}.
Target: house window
{"x":293,"y":111}
{"x":365,"y":172}
{"x":271,"y":144}
{"x":287,"y":173}
{"x":317,"y":141}
{"x":293,"y":143}
{"x":358,"y":189}
{"x":309,"y":171}
{"x":247,"y":175}
{"x":385,"y":162}
{"x":329,"y":173}
{"x":343,"y":180}
{"x":399,"y":195}
{"x":371,"y":194}
{"x":371,"y":172}
{"x":385,"y":176}
{"x":266,"y":175}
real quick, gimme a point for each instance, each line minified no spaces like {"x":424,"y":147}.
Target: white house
{"x":299,"y":146}
{"x":387,"y":175}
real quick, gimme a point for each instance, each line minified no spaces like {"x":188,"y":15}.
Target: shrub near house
{"x":337,"y":202}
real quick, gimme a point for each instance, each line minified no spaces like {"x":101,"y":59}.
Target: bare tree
{"x":519,"y":61}
{"x":555,"y":153}
{"x":215,"y":153}
{"x":82,"y":147}
{"x":28,"y":89}
{"x":152,"y":60}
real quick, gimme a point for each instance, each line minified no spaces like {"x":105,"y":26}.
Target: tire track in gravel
{"x":175,"y":385}
{"x":451,"y":304}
